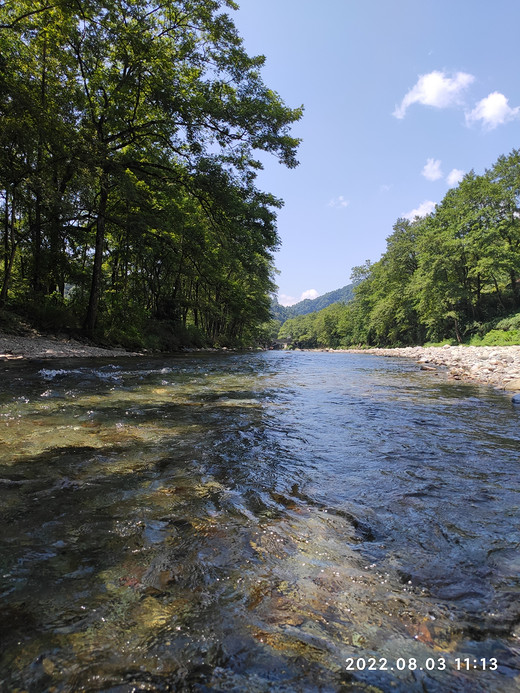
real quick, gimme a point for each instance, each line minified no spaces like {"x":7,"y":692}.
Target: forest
{"x":131,"y":134}
{"x":452,"y":276}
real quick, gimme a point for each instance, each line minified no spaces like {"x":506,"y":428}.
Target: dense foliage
{"x":453,"y":275}
{"x":129,"y":141}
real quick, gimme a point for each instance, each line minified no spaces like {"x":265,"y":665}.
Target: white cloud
{"x":454,"y":177}
{"x":310,"y":293}
{"x":492,"y":111}
{"x":385,"y":188}
{"x":339,"y":202}
{"x":425,"y":208}
{"x":432,"y":170}
{"x":285,"y":300}
{"x":435,"y":89}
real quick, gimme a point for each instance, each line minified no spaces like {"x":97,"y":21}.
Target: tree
{"x":138,"y":157}
{"x":505,"y":175}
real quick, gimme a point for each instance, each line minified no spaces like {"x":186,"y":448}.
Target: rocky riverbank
{"x":34,"y":345}
{"x":496,"y":366}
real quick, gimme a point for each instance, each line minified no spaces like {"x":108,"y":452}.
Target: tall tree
{"x":131,"y":106}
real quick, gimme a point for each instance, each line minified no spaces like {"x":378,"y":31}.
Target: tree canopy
{"x":129,"y":142}
{"x":452,"y":275}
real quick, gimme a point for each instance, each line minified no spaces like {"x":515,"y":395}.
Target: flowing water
{"x":256,"y":522}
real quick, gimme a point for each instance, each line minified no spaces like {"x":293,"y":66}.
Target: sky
{"x":401,"y":98}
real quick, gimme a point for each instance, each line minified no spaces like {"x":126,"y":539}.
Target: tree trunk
{"x":95,"y":287}
{"x":497,"y":289}
{"x":9,"y":252}
{"x":56,"y":273}
{"x":36,"y":235}
{"x":457,"y":331}
{"x":36,"y":230}
{"x":514,"y":287}
{"x":6,"y":233}
{"x":7,"y":277}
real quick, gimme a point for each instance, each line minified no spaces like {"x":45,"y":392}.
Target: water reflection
{"x":250,"y":522}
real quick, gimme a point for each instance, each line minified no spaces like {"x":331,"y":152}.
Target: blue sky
{"x":401,"y":97}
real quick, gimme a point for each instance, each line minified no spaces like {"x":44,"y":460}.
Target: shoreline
{"x":38,"y":346}
{"x":34,"y":345}
{"x":497,"y":366}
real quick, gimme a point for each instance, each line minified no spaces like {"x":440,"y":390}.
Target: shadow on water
{"x":251,"y":522}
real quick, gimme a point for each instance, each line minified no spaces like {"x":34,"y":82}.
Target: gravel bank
{"x":496,"y":366}
{"x":37,"y":346}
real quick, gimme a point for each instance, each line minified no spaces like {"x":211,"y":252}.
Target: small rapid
{"x":257,"y":522}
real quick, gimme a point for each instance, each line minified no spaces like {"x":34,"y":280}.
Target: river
{"x":257,"y":522}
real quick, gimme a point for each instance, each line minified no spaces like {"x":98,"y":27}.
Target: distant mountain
{"x":279,"y":312}
{"x":283,"y":313}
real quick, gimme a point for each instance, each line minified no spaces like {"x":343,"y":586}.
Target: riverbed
{"x":257,"y":522}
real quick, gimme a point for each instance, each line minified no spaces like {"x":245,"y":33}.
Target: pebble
{"x":495,"y":366}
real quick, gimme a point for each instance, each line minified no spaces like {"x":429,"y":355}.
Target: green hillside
{"x":283,"y":313}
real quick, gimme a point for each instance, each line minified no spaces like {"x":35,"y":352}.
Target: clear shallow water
{"x":256,"y":522}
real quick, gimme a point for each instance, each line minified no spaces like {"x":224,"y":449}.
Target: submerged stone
{"x":257,"y":547}
{"x":512,"y":384}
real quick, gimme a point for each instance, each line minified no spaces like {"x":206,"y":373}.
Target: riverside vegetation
{"x":130,"y":137}
{"x":450,"y":277}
